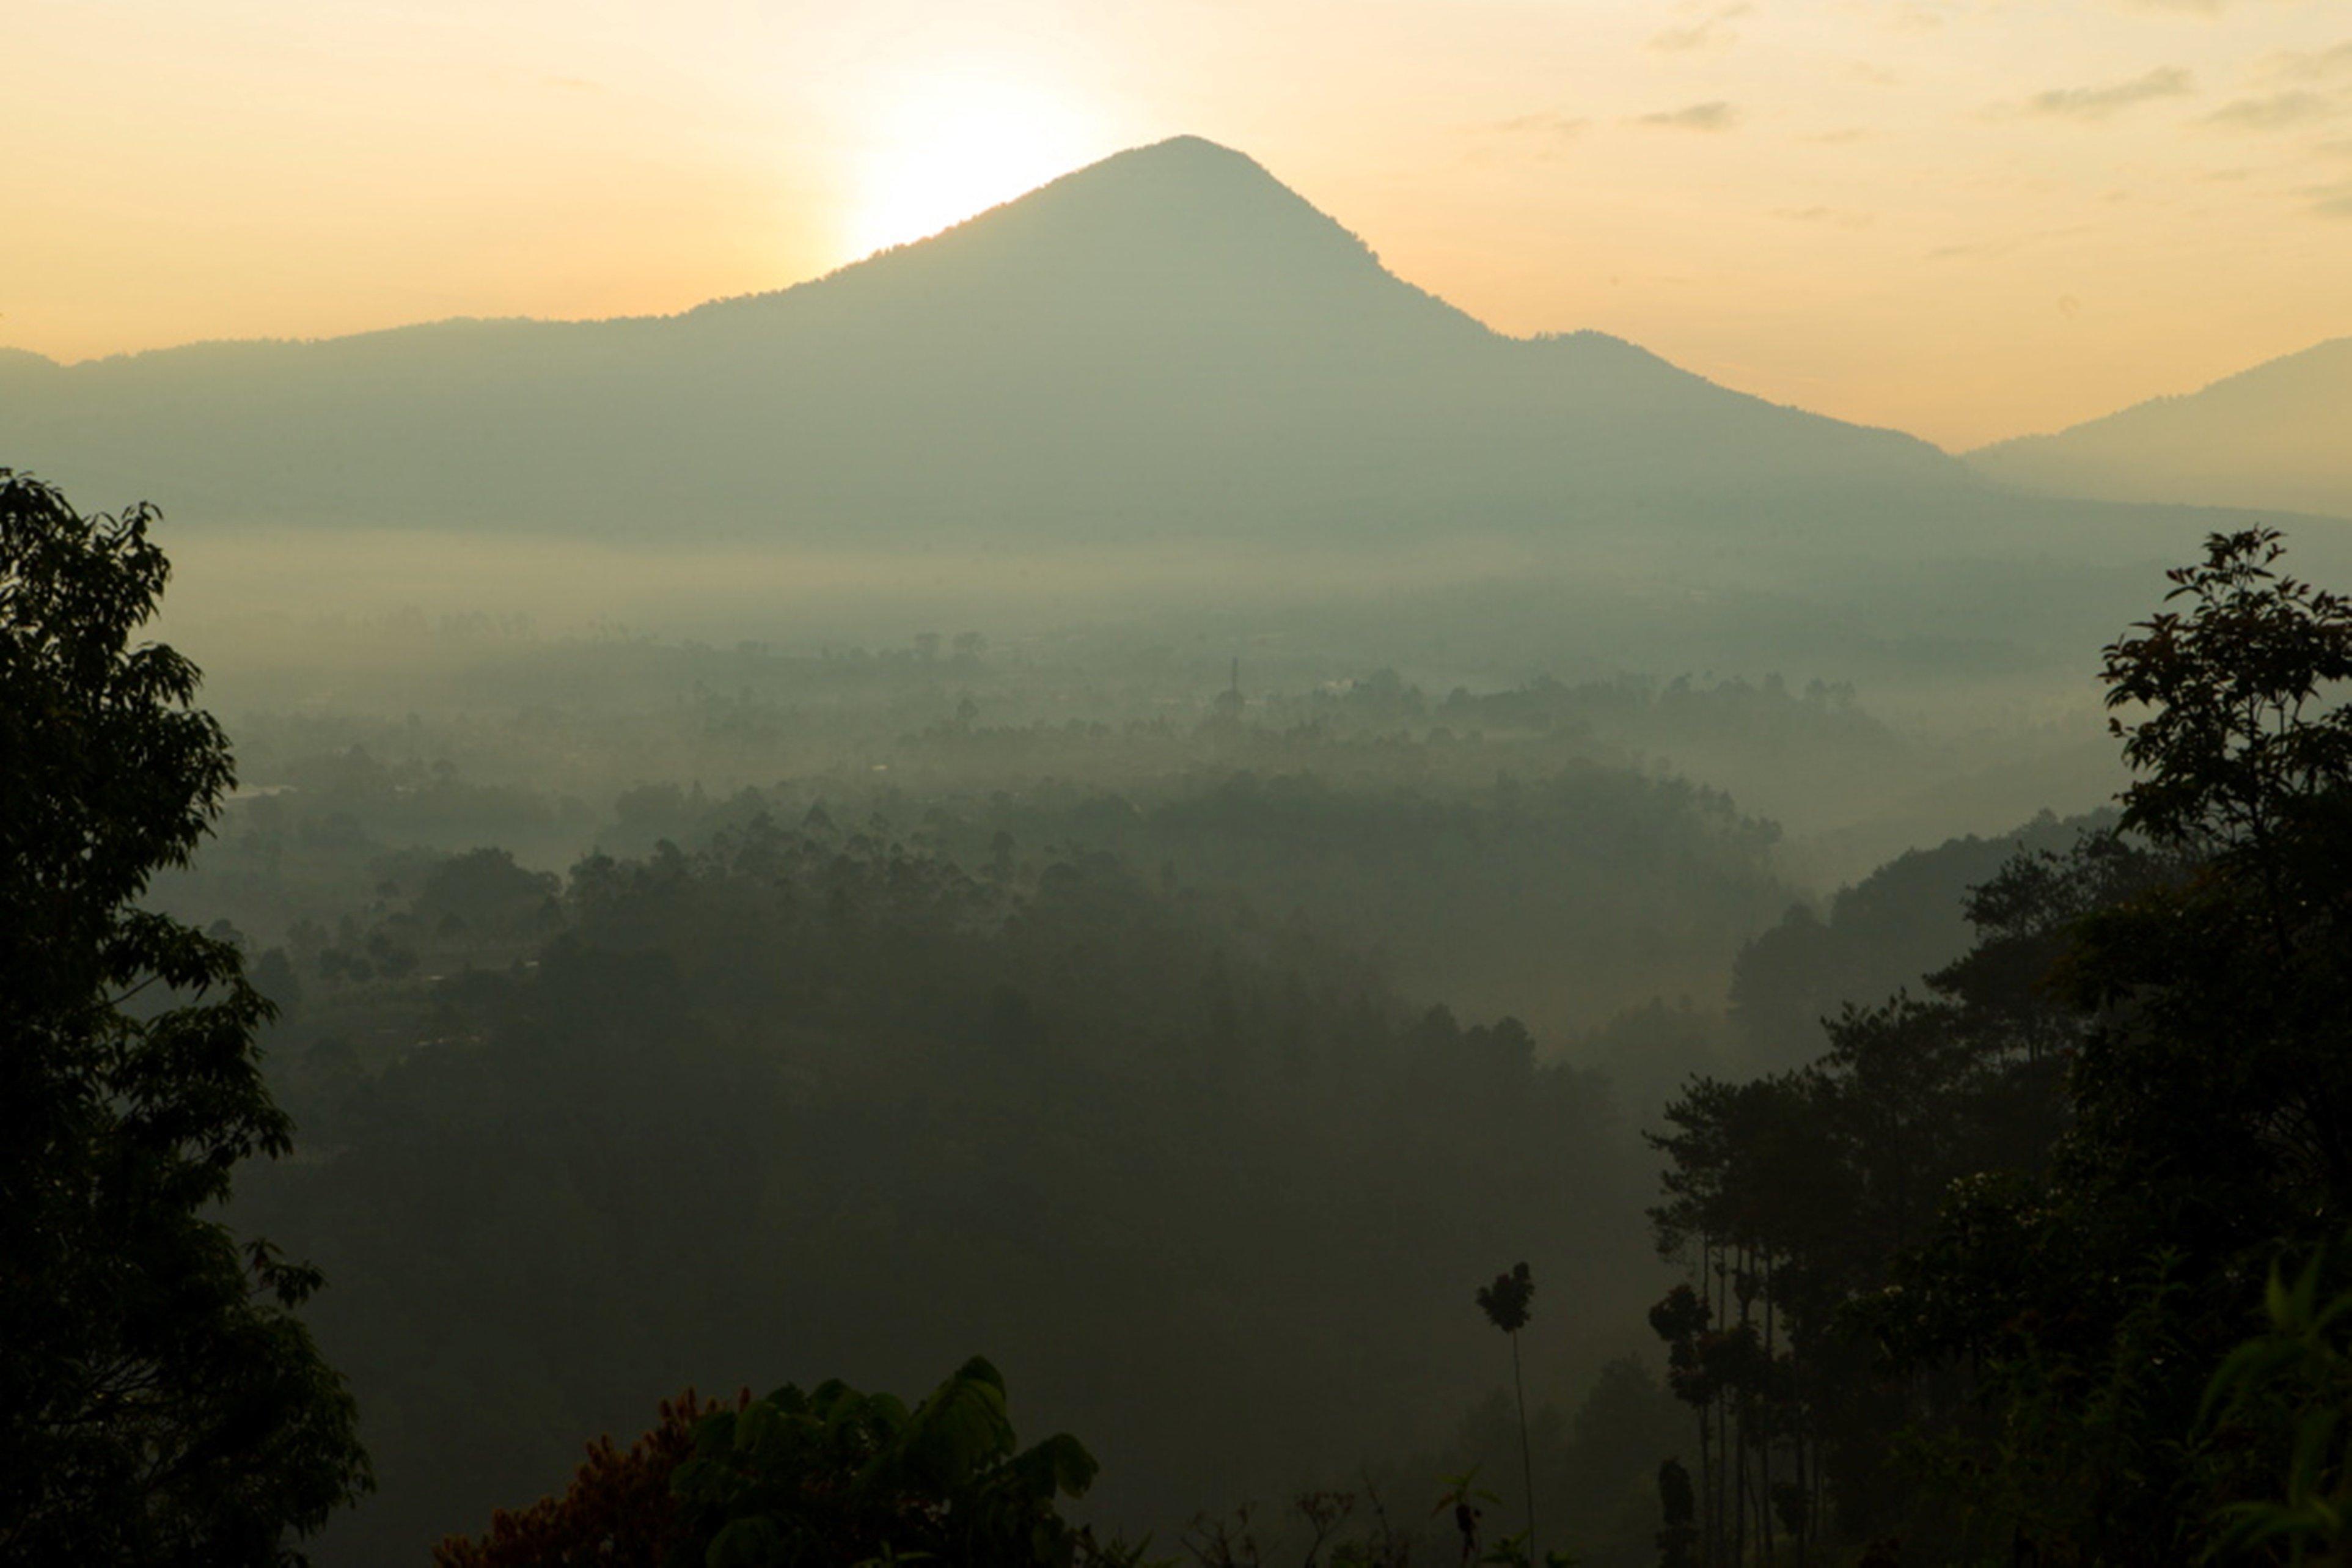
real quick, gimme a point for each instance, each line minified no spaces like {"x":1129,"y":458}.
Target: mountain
{"x":1169,"y":344}
{"x":2278,"y":435}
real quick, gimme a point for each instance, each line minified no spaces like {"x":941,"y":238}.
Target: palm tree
{"x":1505,"y":1303}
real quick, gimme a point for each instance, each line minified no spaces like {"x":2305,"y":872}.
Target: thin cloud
{"x":2099,"y":102}
{"x":2331,"y":201}
{"x":1706,"y":32}
{"x":1675,"y":40}
{"x":1713,"y":115}
{"x":2279,"y":112}
{"x":2309,"y":65}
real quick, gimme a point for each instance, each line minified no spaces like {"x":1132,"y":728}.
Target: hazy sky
{"x":1969,"y":219}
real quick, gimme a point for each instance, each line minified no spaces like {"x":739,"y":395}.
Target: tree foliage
{"x":2209,"y":1097}
{"x":2235,"y":750}
{"x":159,"y":1400}
{"x":618,"y":1513}
{"x":2293,"y":1380}
{"x":827,"y":1478}
{"x":1506,"y":1300}
{"x":2012,"y":1227}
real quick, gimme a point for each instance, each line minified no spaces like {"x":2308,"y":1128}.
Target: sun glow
{"x":951,"y":145}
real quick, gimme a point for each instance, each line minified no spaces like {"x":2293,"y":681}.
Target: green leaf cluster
{"x":2292,"y":1385}
{"x":834,"y":1476}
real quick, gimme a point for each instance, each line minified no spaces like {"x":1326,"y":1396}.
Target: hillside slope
{"x":2278,"y":435}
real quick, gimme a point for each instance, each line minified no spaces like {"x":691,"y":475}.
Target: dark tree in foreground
{"x":160,"y":1402}
{"x":1678,"y":1515}
{"x":2209,"y":1095}
{"x":2009,"y":1230}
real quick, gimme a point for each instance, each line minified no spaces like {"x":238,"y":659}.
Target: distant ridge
{"x":2278,"y":435}
{"x":1166,"y":345}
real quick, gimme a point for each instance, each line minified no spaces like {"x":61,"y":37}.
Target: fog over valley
{"x":1398,"y":941}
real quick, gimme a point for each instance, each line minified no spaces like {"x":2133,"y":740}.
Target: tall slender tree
{"x":1506,"y":1303}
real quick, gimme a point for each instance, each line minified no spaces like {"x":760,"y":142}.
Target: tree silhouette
{"x":1678,"y":1514}
{"x":1505,"y":1304}
{"x":2208,"y":1093}
{"x":2019,"y":1217}
{"x":2231,"y":752}
{"x":160,"y":1402}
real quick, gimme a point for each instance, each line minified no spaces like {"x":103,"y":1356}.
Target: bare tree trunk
{"x":1527,"y":1461}
{"x":1710,"y":1415}
{"x":1772,"y":1408}
{"x":1740,"y":1450}
{"x":1801,"y":1429}
{"x":1721,"y":1314}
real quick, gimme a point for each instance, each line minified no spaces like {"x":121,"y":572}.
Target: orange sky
{"x":1969,"y":218}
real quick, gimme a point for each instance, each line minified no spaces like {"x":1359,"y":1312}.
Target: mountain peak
{"x":1184,"y":232}
{"x":1184,"y":192}
{"x":1183,"y":169}
{"x":1190,"y":147}
{"x":1190,"y":166}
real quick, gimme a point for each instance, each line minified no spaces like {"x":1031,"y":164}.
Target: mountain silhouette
{"x":1169,"y":344}
{"x":2277,"y":436}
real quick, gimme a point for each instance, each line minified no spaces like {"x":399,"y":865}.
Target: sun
{"x":950,"y":144}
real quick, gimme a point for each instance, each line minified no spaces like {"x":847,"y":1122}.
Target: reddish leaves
{"x":618,"y":1513}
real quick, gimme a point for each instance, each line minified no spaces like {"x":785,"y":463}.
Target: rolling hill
{"x":2278,"y":435}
